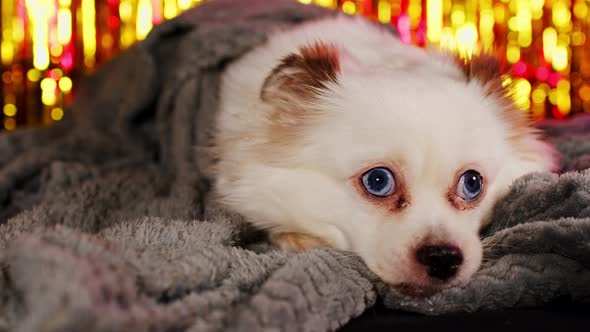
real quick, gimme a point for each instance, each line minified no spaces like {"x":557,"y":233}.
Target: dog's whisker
{"x":491,"y":245}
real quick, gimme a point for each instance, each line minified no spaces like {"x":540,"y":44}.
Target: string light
{"x":39,"y":11}
{"x":7,"y":45}
{"x":170,"y":9}
{"x":64,"y":26}
{"x":384,"y":11}
{"x":326,"y":3}
{"x":128,"y":34}
{"x":559,"y":58}
{"x":89,"y":32}
{"x":9,"y":123}
{"x":414,"y":12}
{"x":349,"y":7}
{"x":512,"y":53}
{"x":57,"y":114}
{"x":43,"y":41}
{"x":184,"y":4}
{"x":521,"y":93}
{"x":33,"y":75}
{"x":144,"y":18}
{"x":538,"y":96}
{"x":486,"y":26}
{"x":466,"y":37}
{"x":434,"y":20}
{"x":9,"y":110}
{"x":65,"y":84}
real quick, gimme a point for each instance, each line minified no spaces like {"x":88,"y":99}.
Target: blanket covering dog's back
{"x":105,"y":222}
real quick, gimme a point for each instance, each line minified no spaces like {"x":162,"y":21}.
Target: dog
{"x":335,"y":134}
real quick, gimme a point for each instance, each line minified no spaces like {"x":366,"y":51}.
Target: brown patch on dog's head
{"x":302,"y":76}
{"x":299,"y":80}
{"x":486,"y":70}
{"x":481,"y":66}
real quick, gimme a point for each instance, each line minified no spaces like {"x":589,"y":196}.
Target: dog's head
{"x":399,"y":164}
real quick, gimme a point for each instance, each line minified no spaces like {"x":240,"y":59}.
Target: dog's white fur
{"x":391,"y":104}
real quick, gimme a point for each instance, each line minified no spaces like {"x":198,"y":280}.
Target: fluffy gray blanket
{"x":105,"y":223}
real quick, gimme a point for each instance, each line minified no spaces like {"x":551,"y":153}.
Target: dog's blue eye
{"x":470,"y":185}
{"x":379,"y":182}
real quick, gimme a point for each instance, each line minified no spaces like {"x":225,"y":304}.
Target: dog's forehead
{"x":444,"y":125}
{"x":437,"y":110}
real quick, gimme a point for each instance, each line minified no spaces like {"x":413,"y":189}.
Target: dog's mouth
{"x":414,"y":290}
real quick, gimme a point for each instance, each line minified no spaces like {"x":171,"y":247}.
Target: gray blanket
{"x":105,"y":222}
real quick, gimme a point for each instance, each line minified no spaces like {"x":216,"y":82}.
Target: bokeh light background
{"x":48,"y":45}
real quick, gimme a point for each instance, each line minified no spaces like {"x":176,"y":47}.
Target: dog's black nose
{"x":441,"y":262}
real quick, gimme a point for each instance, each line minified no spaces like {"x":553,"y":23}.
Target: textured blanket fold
{"x":105,"y":222}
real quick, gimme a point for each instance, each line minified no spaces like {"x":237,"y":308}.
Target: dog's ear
{"x":525,"y":138}
{"x":483,"y":67}
{"x":302,"y":77}
{"x":486,"y":70}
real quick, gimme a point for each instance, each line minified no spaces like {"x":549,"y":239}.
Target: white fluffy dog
{"x":336,"y":134}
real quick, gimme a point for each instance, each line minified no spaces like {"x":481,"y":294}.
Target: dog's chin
{"x":415,"y":290}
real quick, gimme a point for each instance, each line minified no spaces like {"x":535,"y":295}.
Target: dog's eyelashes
{"x":470,"y":185}
{"x":379,"y":181}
